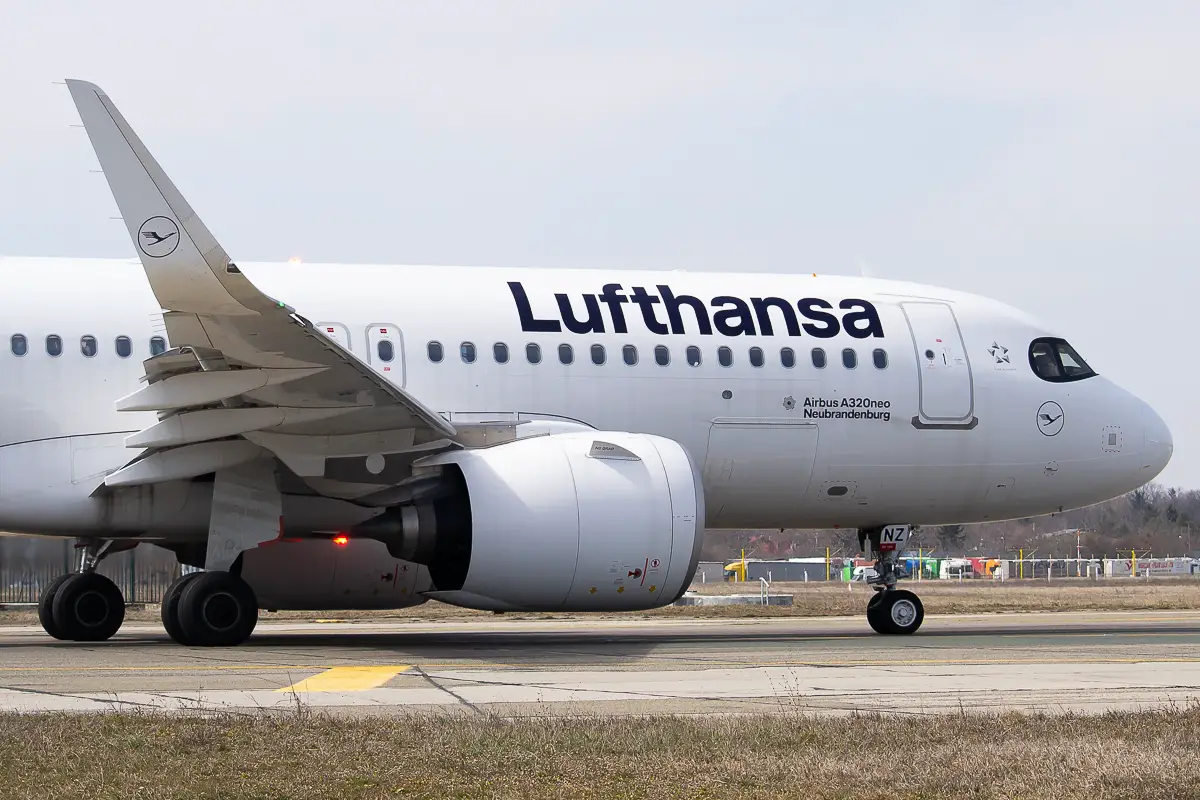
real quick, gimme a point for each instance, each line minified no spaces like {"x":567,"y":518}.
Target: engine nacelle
{"x":322,"y":574}
{"x":595,"y":521}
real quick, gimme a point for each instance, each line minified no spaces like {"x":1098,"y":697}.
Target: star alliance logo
{"x":999,"y":352}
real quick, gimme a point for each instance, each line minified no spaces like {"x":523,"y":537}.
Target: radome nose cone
{"x":1159,"y":444}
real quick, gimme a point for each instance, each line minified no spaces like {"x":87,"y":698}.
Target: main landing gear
{"x":205,"y":609}
{"x":890,"y":610}
{"x":209,"y":609}
{"x":83,"y":606}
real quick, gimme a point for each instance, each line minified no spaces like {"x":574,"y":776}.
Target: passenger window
{"x":124,"y":346}
{"x":662,"y":356}
{"x":597,"y":354}
{"x":436,"y":352}
{"x":467,"y":351}
{"x":693,"y":355}
{"x":385,"y":350}
{"x":880,"y":358}
{"x":1056,"y":361}
{"x":849,"y":358}
{"x":565,"y":354}
{"x":500,"y":352}
{"x":724,"y":356}
{"x":533,"y":353}
{"x":629,"y":353}
{"x":818,"y":357}
{"x":158,"y":345}
{"x":756,"y":357}
{"x":20,"y":345}
{"x":787,"y":357}
{"x":54,"y":345}
{"x":87,"y":346}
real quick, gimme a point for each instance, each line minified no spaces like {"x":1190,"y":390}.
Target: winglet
{"x":188,"y":269}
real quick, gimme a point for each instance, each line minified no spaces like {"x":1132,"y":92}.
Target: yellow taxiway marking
{"x":689,"y":662}
{"x":347,"y":679}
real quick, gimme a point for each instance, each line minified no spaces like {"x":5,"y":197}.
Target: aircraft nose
{"x":1159,"y":444}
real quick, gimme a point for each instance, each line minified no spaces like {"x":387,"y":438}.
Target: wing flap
{"x":201,"y":388}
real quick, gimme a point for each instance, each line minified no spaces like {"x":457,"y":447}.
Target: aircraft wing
{"x":246,"y":372}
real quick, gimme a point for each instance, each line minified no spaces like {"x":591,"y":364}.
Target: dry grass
{"x":812,"y":600}
{"x":1147,"y":754}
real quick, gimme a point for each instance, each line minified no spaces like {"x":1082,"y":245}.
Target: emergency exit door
{"x":947,"y":392}
{"x":385,"y":351}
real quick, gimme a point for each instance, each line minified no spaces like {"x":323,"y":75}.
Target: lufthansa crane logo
{"x":158,"y":237}
{"x":1050,"y":418}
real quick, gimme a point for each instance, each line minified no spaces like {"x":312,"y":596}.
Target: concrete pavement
{"x":1047,"y":662}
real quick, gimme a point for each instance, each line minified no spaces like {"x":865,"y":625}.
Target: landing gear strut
{"x":83,"y":606}
{"x":890,"y":610}
{"x":216,"y":608}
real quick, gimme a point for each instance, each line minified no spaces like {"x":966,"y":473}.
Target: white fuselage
{"x":949,"y":426}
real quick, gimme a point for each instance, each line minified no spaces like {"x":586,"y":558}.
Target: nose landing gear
{"x":890,"y":611}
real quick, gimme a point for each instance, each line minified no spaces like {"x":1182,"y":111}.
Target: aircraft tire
{"x":88,"y":607}
{"x":170,"y":608}
{"x":46,"y":607}
{"x":217,"y":609}
{"x":876,"y":617}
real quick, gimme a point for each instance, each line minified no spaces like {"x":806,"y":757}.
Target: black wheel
{"x":217,"y":609}
{"x":170,"y":608}
{"x":46,"y":607}
{"x":876,"y":615}
{"x":88,"y":608}
{"x":903,"y":611}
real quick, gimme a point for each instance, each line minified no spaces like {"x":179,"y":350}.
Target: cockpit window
{"x":1056,"y":361}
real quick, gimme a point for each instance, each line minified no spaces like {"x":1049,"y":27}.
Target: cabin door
{"x":947,"y":391}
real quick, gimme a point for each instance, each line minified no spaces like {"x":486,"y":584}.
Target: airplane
{"x":334,"y":436}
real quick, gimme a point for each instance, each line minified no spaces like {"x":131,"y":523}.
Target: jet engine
{"x":590,"y":521}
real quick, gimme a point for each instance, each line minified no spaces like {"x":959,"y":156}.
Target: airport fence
{"x":28,"y":565}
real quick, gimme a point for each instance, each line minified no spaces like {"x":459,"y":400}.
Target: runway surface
{"x":1047,"y":662}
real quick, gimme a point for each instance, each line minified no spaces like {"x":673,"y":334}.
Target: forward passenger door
{"x":947,"y":392}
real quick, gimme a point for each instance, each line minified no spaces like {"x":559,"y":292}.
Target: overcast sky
{"x":1042,"y":154}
